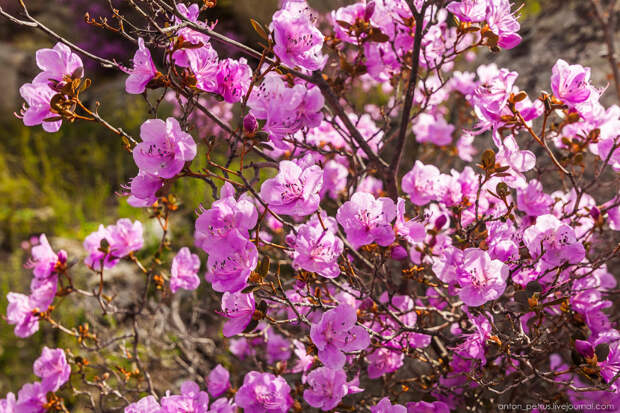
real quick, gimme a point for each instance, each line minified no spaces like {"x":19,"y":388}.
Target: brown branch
{"x":34,"y":23}
{"x":392,"y":178}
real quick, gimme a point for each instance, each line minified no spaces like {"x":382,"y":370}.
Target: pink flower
{"x":191,"y":13}
{"x":122,"y":239}
{"x":371,"y":185}
{"x":422,"y":183}
{"x":503,"y":23}
{"x":305,"y":360}
{"x":184,"y":271}
{"x":147,"y":404}
{"x":220,"y":228}
{"x":385,"y":406}
{"x":52,"y":368}
{"x":295,"y":190}
{"x":326,"y":388}
{"x":278,"y":348}
{"x":285,"y":110}
{"x":366,"y":219}
{"x":298,"y":41}
{"x":336,"y":332}
{"x":241,"y":348}
{"x":191,"y":399}
{"x":433,"y":129}
{"x":469,"y":10}
{"x":143,"y":71}
{"x":204,"y":62}
{"x":57,"y":64}
{"x":218,"y":381}
{"x":412,"y":231}
{"x":613,"y":216}
{"x":491,"y":97}
{"x":533,"y":200}
{"x":350,"y":14}
{"x":37,"y":110}
{"x":264,"y":393}
{"x":43,"y":291}
{"x":481,"y":279}
{"x":474,"y":345}
{"x":570,"y":83}
{"x":7,"y":405}
{"x":239,"y":309}
{"x":96,"y":258}
{"x":317,"y":249}
{"x":611,"y":365}
{"x":125,"y":237}
{"x":44,"y":259}
{"x":558,"y":241}
{"x":334,"y":179}
{"x":384,"y":360}
{"x":427,"y":407}
{"x":20,"y":312}
{"x":143,"y":189}
{"x":230,"y":272}
{"x":164,"y":148}
{"x":510,"y":154}
{"x":223,"y":405}
{"x":31,"y":398}
{"x":233,"y":79}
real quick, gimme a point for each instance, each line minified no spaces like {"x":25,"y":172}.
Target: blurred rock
{"x":12,"y":63}
{"x":565,"y":29}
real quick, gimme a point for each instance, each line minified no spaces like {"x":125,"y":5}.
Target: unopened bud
{"x":250,"y":124}
{"x":399,"y":253}
{"x":440,"y":221}
{"x":369,"y":11}
{"x":595,"y":213}
{"x":62,"y":256}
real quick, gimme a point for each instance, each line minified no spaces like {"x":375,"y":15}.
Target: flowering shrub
{"x":383,"y":257}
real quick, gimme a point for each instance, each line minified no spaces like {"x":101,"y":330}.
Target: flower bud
{"x":369,"y":11}
{"x":250,"y":124}
{"x":440,"y":221}
{"x":62,"y":256}
{"x":595,"y":213}
{"x":399,"y":253}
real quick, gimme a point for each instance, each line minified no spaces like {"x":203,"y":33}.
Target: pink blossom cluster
{"x":228,"y":78}
{"x":53,"y":370}
{"x":346,"y":273}
{"x":108,"y":245}
{"x":23,"y":311}
{"x":59,"y":66}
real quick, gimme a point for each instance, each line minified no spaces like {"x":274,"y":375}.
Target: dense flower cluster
{"x":340,"y":276}
{"x":53,"y":370}
{"x":59,"y":67}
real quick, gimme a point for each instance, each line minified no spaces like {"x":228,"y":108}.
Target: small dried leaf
{"x":344,"y":24}
{"x":502,"y":190}
{"x":522,"y":297}
{"x":377,"y":36}
{"x":251,"y":326}
{"x":258,"y":28}
{"x":250,"y":289}
{"x":53,"y":119}
{"x":520,"y":96}
{"x":488,"y":158}
{"x":533,"y":287}
{"x":263,"y":268}
{"x":602,"y":351}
